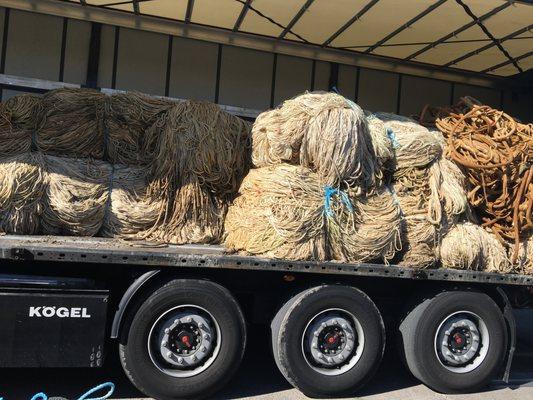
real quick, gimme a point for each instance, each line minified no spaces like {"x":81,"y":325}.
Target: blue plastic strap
{"x":40,"y":396}
{"x":392,"y":137}
{"x":107,"y":385}
{"x":329,"y":192}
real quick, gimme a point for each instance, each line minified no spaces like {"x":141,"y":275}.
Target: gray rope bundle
{"x":128,"y":116}
{"x":18,"y":121}
{"x":71,"y":123}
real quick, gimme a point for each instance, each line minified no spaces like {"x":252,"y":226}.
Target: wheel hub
{"x":332,"y":340}
{"x":460,"y":341}
{"x":186,"y":340}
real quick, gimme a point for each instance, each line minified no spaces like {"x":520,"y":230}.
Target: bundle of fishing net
{"x":362,"y":229}
{"x":193,"y":215}
{"x":284,"y":211}
{"x":321,"y":131}
{"x":197,"y":141}
{"x":71,"y":123}
{"x":22,"y":186}
{"x":429,"y":189}
{"x":419,"y":235}
{"x":128,"y":116}
{"x":76,"y":197}
{"x":469,"y":246}
{"x":18,"y":121}
{"x":413,"y":144}
{"x":132,"y":212}
{"x":200,"y":155}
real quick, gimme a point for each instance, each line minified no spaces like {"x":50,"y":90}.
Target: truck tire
{"x":454,"y":342}
{"x":185,"y":341}
{"x":328,"y":341}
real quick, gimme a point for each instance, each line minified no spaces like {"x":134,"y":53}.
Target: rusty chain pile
{"x":496,"y":154}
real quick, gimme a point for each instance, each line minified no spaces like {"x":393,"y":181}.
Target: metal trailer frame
{"x":112,"y":251}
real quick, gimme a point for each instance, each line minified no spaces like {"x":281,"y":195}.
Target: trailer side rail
{"x":112,"y":251}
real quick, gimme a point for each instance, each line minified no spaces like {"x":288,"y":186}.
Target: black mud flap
{"x":50,"y":328}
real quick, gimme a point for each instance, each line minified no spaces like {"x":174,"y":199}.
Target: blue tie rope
{"x":107,"y":385}
{"x":329,"y":192}
{"x":392,"y":137}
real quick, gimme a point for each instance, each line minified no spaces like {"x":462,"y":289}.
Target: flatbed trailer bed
{"x":113,"y":251}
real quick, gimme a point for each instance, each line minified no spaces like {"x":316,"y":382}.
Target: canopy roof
{"x":485,"y":36}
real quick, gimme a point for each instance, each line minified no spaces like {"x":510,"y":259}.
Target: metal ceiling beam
{"x":188,"y":13}
{"x":83,"y":2}
{"x":458,"y":31}
{"x":243,"y":13}
{"x":136,"y":9}
{"x":250,"y":41}
{"x":295,"y":19}
{"x":488,"y":46}
{"x":503,"y":64}
{"x":406,"y":25}
{"x":488,"y":33}
{"x":350,"y":22}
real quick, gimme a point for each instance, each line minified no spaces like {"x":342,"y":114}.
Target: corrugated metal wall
{"x":57,"y":49}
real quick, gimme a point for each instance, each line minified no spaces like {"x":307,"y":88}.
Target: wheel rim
{"x":462,"y":342}
{"x":333,"y":342}
{"x":184,"y":341}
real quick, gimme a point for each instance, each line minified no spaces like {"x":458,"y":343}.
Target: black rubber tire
{"x":212,"y":297}
{"x":417,"y":335}
{"x":288,"y":327}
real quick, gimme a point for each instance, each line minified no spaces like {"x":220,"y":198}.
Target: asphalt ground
{"x":259,"y":379}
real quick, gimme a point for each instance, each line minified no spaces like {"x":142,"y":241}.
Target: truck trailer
{"x":179,"y":314}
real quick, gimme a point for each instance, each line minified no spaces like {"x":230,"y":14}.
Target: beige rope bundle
{"x":381,"y":142}
{"x":420,"y":237}
{"x":127,"y":118}
{"x":22,"y":184}
{"x":18,"y":120}
{"x":282,"y":213}
{"x":194,"y":215}
{"x":197,"y":141}
{"x":76,"y":196}
{"x":278,"y":214}
{"x":321,"y":131}
{"x":369,"y":232}
{"x":132,"y":212}
{"x":71,"y":123}
{"x":414,"y":145}
{"x":469,"y":246}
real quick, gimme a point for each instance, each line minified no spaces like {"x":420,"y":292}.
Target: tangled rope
{"x":496,"y":152}
{"x":22,"y":186}
{"x":284,"y":211}
{"x":71,"y":122}
{"x":18,"y":118}
{"x":321,"y":131}
{"x":469,"y":246}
